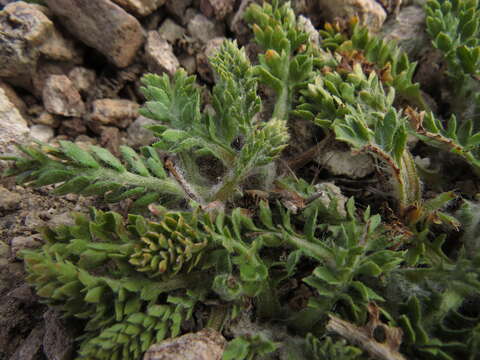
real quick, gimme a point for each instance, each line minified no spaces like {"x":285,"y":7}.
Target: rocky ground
{"x":70,"y":69}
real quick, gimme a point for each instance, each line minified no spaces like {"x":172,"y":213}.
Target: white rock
{"x":370,"y":12}
{"x":203,"y":29}
{"x":42,"y":133}
{"x":13,"y":127}
{"x":159,"y":55}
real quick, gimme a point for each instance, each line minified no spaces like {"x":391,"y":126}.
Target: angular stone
{"x":138,"y":135}
{"x":13,"y":127}
{"x":23,"y":29}
{"x":140,"y":7}
{"x":9,"y":200}
{"x":203,"y":65}
{"x":73,"y":127}
{"x":117,"y":112}
{"x":20,"y":243}
{"x":177,"y":7}
{"x":339,"y":161}
{"x":189,"y":63}
{"x":217,"y":8}
{"x":14,"y":98}
{"x":159,"y":55}
{"x":170,"y":31}
{"x":408,"y":30}
{"x":82,"y":78}
{"x":31,"y":347}
{"x":370,"y":12}
{"x":45,"y":69}
{"x":102,"y":25}
{"x":45,"y":118}
{"x":61,"y":97}
{"x":59,"y":340}
{"x":203,"y":29}
{"x":206,"y":344}
{"x":42,"y":133}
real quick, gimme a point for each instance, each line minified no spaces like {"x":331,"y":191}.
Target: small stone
{"x":370,"y":12}
{"x":9,"y":200}
{"x":14,"y":98}
{"x":203,"y":29}
{"x":138,"y":135}
{"x":45,"y":69}
{"x":177,"y":7}
{"x":218,"y":8}
{"x":72,"y":127}
{"x":170,"y":31}
{"x":13,"y":127}
{"x":59,"y":339}
{"x":206,"y":344}
{"x":42,"y":133}
{"x":203,"y":65}
{"x":140,"y":7}
{"x":341,"y":162}
{"x":102,"y":25}
{"x":117,"y":112}
{"x":82,"y":78}
{"x":408,"y":30}
{"x":189,"y":63}
{"x":110,"y":139}
{"x":20,"y":243}
{"x":45,"y":118}
{"x":23,"y":29}
{"x":61,"y":97}
{"x":159,"y":55}
{"x":59,"y":48}
{"x":31,"y":347}
{"x":329,"y":191}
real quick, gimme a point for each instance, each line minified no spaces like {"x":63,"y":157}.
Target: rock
{"x":203,"y":29}
{"x":110,"y":139}
{"x":140,"y":7}
{"x":331,"y":191}
{"x":218,"y":8}
{"x":408,"y":30}
{"x":44,"y":70}
{"x":177,"y":7}
{"x":102,"y":25}
{"x":170,"y":31}
{"x":59,"y":48}
{"x":59,"y":340}
{"x":20,"y":243}
{"x":189,"y":63}
{"x":82,"y":78}
{"x":238,"y":24}
{"x":159,"y":55}
{"x":13,"y":127}
{"x":203,"y":65}
{"x":45,"y":118}
{"x":14,"y":98}
{"x":73,"y":127}
{"x":23,"y":29}
{"x":370,"y":12}
{"x":206,"y":344}
{"x":42,"y":133}
{"x":61,"y":97}
{"x":115,"y":112}
{"x":8,"y":200}
{"x":138,"y":135}
{"x":306,"y":25}
{"x":341,"y":162}
{"x":31,"y":347}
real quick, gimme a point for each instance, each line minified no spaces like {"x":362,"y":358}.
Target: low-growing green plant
{"x":296,"y":254}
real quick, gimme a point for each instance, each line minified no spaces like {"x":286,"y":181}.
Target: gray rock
{"x":59,"y":340}
{"x":189,"y":63}
{"x":42,"y":133}
{"x":177,"y":8}
{"x":44,"y":70}
{"x":138,"y":135}
{"x":203,"y":29}
{"x":61,"y":97}
{"x":408,"y":30}
{"x":31,"y":347}
{"x":217,"y":8}
{"x":203,"y":65}
{"x":13,"y":127}
{"x":8,"y":200}
{"x":20,"y":243}
{"x":140,"y":7}
{"x":370,"y":12}
{"x":206,"y":344}
{"x":102,"y":25}
{"x":117,"y":112}
{"x":171,"y":31}
{"x":159,"y":55}
{"x":339,"y":161}
{"x":82,"y":78}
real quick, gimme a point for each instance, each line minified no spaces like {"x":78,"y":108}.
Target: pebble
{"x":61,"y":97}
{"x":159,"y":55}
{"x":117,"y":112}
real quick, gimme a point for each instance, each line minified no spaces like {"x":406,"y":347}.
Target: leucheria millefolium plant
{"x":137,"y":280}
